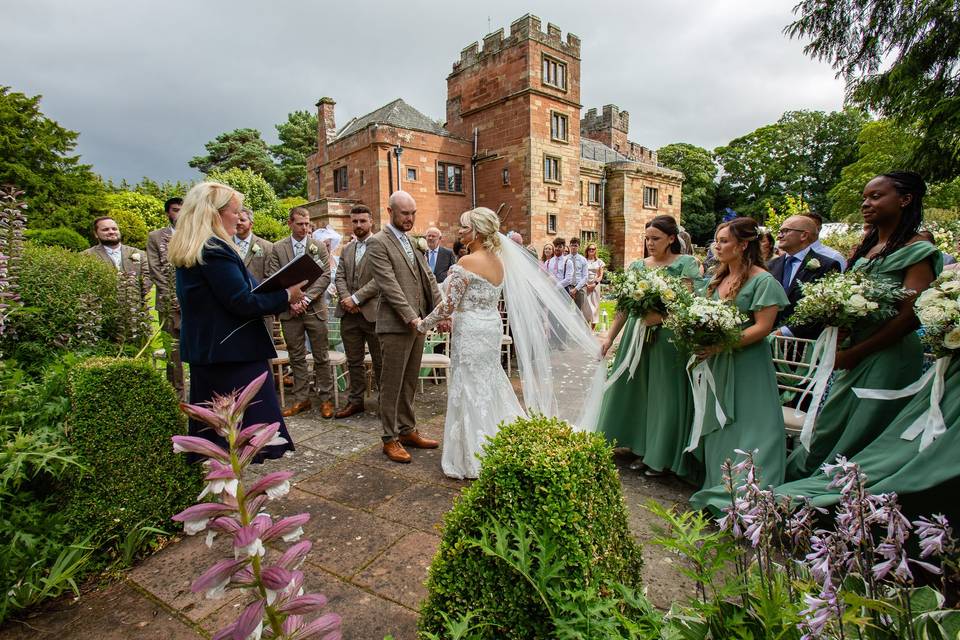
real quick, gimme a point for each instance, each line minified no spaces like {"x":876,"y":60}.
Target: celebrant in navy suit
{"x":222,"y":334}
{"x":798,"y":264}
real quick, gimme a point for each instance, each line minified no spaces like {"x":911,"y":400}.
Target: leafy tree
{"x":699,"y":187}
{"x":162,"y":191}
{"x":899,"y":59}
{"x":36,"y":154}
{"x":258,"y":194}
{"x":298,"y":139}
{"x":238,"y":149}
{"x":148,"y":208}
{"x":133,"y":230}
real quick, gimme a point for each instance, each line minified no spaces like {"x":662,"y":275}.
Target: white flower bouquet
{"x":843,"y":299}
{"x":705,"y":322}
{"x":938,"y":309}
{"x":638,"y":292}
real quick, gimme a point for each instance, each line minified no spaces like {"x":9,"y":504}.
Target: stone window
{"x":587,"y":237}
{"x":558,"y":126}
{"x":669,"y":199}
{"x":593,"y":193}
{"x":505,"y":176}
{"x":411,"y":174}
{"x":554,"y":73}
{"x":650,"y":197}
{"x":551,"y":194}
{"x":340,"y":179}
{"x":449,"y":177}
{"x":551,"y":169}
{"x":363,"y":180}
{"x":581,"y":192}
{"x":551,"y":223}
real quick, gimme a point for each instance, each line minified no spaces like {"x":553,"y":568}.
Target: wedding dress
{"x":557,"y":354}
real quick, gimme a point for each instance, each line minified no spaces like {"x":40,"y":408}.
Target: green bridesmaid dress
{"x":747,"y":384}
{"x":652,"y":412}
{"x":891,"y":463}
{"x":846,"y":423}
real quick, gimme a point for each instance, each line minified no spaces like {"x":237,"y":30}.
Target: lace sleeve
{"x":456,"y":286}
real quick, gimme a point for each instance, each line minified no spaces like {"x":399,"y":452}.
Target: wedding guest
{"x":162,"y":275}
{"x":221,"y":335}
{"x":767,"y":246}
{"x":574,"y":273}
{"x":124,"y":258}
{"x":878,"y":355}
{"x":651,"y":413}
{"x":555,"y":264}
{"x":928,"y":236}
{"x":686,"y":242}
{"x":798,"y":264}
{"x":307,"y":318}
{"x":821,"y":248}
{"x":459,"y":250}
{"x":439,"y":258}
{"x":357,"y":309}
{"x":331,"y":242}
{"x":591,"y":298}
{"x":546,"y":254}
{"x":254,"y":250}
{"x":745,"y":377}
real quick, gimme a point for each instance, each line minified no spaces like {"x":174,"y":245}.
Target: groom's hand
{"x":413,"y":324}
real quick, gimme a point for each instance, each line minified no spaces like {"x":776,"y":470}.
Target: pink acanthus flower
{"x":274,"y":485}
{"x":219,"y":479}
{"x":215,"y":580}
{"x":195,"y":518}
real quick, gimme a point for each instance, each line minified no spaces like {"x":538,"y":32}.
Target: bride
{"x":558,"y":356}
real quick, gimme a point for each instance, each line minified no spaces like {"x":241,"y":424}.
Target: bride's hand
{"x":605,"y":346}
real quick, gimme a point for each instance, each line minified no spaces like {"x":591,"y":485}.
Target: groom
{"x":408,"y":291}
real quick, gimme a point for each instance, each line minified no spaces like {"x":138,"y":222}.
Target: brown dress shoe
{"x":297,"y":408}
{"x":395,"y":452}
{"x":288,"y":380}
{"x":326,"y":410}
{"x":349,"y":410}
{"x":414,"y":439}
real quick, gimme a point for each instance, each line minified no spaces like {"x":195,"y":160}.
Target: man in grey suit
{"x":168,"y":309}
{"x":408,"y":291}
{"x":254,"y":250}
{"x":357,"y":310}
{"x":307,"y":318}
{"x":124,"y":258}
{"x":439,"y":258}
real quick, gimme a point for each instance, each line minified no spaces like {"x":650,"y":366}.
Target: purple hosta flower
{"x":846,"y":475}
{"x":936,"y":535}
{"x":820,"y":609}
{"x":799,"y":526}
{"x":214,"y":581}
{"x":220,"y":479}
{"x":195,"y":518}
{"x":274,"y":485}
{"x":828,"y":556}
{"x":247,"y":542}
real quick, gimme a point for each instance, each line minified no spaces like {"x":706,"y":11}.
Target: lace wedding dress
{"x":479,"y":394}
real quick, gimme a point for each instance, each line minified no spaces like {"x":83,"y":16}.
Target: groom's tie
{"x":405,"y":241}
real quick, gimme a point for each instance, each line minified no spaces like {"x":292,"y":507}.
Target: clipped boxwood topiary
{"x":540,"y":473}
{"x":123,"y":414}
{"x":58,"y":237}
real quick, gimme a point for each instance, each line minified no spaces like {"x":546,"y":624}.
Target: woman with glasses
{"x":877,"y":355}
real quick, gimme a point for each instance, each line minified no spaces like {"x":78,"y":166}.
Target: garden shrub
{"x":133,"y":229}
{"x":145,"y":207}
{"x":58,"y":237}
{"x":269,"y":229}
{"x":122,"y":416}
{"x":540,"y":474}
{"x":70,"y":303}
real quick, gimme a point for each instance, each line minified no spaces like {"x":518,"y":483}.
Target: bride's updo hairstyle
{"x":485,"y":225}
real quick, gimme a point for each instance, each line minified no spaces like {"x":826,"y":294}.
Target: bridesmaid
{"x":880,"y":355}
{"x":745,"y":377}
{"x":652,"y":415}
{"x":591,"y":301}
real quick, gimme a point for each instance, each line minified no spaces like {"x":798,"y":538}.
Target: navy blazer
{"x":221,"y":318}
{"x":794,"y":292}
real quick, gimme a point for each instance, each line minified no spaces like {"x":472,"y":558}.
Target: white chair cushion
{"x":506,"y":340}
{"x":434,"y":361}
{"x":282,"y":356}
{"x":791,"y":421}
{"x":337,"y":358}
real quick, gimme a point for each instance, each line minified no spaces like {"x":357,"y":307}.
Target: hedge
{"x":540,"y":473}
{"x":123,"y":414}
{"x":58,"y":237}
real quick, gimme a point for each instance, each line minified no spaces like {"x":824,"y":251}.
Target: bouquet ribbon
{"x":631,"y":358}
{"x":701,"y":381}
{"x":930,"y":423}
{"x":822,"y":360}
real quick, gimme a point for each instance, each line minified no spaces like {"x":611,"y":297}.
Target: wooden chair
{"x":791,"y":360}
{"x":506,"y":341}
{"x":432,"y":363}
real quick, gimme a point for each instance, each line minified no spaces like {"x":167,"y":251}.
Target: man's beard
{"x":110,"y":243}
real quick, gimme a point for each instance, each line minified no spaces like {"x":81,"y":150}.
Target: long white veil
{"x":558,"y":355}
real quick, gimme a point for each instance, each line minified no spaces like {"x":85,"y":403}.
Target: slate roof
{"x":397,"y":114}
{"x":593,"y":150}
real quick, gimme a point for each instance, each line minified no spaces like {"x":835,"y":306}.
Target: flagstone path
{"x":374,"y":526}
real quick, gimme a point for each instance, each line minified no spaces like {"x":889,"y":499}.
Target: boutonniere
{"x":256,"y":250}
{"x":314,"y":249}
{"x":813,"y":263}
{"x":135,"y":257}
{"x":421,"y":244}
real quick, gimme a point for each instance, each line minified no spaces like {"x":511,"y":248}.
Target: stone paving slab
{"x":400,"y":572}
{"x":420,"y":506}
{"x":358,"y":485}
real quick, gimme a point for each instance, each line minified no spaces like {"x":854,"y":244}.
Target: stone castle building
{"x":513,"y":141}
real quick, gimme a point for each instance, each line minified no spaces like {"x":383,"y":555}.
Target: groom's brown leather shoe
{"x":414,"y":439}
{"x":349,"y":410}
{"x":395,"y":451}
{"x":326,"y":410}
{"x":297,"y":408}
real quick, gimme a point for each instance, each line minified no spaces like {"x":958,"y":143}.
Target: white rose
{"x":256,"y":249}
{"x":949,"y":285}
{"x":931,"y":315}
{"x":857,"y":302}
{"x":314,"y":249}
{"x":952,"y":339}
{"x":135,"y":257}
{"x":813,"y":263}
{"x":422,"y":244}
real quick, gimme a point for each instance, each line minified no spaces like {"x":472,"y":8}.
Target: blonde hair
{"x":486,"y":225}
{"x":199,"y":222}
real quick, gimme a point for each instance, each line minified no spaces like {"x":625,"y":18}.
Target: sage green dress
{"x":846,"y":423}
{"x":652,"y":412}
{"x":891,"y":463}
{"x":747,"y":384}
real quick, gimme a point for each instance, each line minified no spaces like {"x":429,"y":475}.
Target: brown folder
{"x":294,"y":272}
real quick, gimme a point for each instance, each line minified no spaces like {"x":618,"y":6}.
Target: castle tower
{"x":520,"y":96}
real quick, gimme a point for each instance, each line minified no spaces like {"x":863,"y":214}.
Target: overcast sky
{"x":148,"y":83}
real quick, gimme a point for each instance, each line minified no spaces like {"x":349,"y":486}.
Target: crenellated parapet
{"x":526,"y":28}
